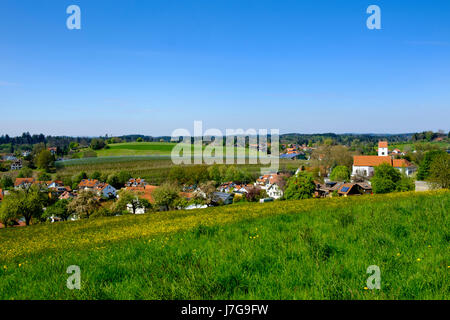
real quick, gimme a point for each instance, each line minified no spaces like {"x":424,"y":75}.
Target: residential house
{"x":227,"y":187}
{"x":144,"y":192}
{"x":404,"y":166}
{"x":274,"y":191}
{"x":88,"y":184}
{"x":16,"y":165}
{"x":10,"y":157}
{"x":24,"y":183}
{"x":398,"y":152}
{"x":273,"y":184}
{"x":66,"y":195}
{"x":53,"y":150}
{"x":105,"y":190}
{"x":136,"y":183}
{"x":2,"y":195}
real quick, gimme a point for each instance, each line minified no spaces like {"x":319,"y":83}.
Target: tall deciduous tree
{"x":166,"y":195}
{"x":85,"y":204}
{"x":130,"y":199}
{"x":300,"y":186}
{"x":440,"y":171}
{"x":44,"y":160}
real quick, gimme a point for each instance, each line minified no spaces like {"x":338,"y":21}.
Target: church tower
{"x":383,"y":148}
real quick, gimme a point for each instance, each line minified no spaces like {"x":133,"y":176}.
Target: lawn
{"x":307,"y":249}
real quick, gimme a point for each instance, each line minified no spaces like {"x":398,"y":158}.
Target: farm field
{"x":307,"y":249}
{"x":154,"y":169}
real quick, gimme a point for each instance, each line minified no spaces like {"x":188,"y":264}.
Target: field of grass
{"x":308,"y":249}
{"x":137,"y":149}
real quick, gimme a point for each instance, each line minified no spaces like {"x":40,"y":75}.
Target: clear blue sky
{"x":152,"y":66}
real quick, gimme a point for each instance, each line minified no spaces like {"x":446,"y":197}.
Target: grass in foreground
{"x":311,"y":249}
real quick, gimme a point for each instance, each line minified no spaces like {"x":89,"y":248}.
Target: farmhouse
{"x":364,"y":165}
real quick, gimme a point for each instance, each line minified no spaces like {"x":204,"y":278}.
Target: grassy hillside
{"x":310,"y":249}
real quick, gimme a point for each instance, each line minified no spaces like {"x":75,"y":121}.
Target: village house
{"x":66,"y":195}
{"x":398,"y":152}
{"x":53,"y":150}
{"x":102,"y":189}
{"x":136,"y":183}
{"x":144,"y":192}
{"x":105,"y":190}
{"x":24,"y":183}
{"x":2,"y":195}
{"x":16,"y":165}
{"x":364,"y":165}
{"x":88,"y":184}
{"x":273,"y":184}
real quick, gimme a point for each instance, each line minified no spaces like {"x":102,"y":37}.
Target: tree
{"x":440,"y":171}
{"x":340,"y":173}
{"x":123,"y":176}
{"x":84,"y":205}
{"x":44,"y":176}
{"x":128,"y":198}
{"x":206,"y":193}
{"x":97,"y":144}
{"x":424,"y":168}
{"x":387,"y":179}
{"x":254,"y":194}
{"x":96,"y":175}
{"x":25,"y":173}
{"x":25,"y":202}
{"x":7,"y":212}
{"x":6,"y":182}
{"x":113,"y":179}
{"x":58,"y":209}
{"x":300,"y":186}
{"x":165,"y":196}
{"x":44,"y":160}
{"x":139,"y":139}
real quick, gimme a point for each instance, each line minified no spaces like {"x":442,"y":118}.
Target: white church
{"x":364,"y":165}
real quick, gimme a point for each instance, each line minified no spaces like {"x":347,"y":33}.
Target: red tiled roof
{"x":371,"y":161}
{"x":88,"y":183}
{"x":401,"y":163}
{"x":382,"y":144}
{"x":20,"y":181}
{"x":145,"y":192}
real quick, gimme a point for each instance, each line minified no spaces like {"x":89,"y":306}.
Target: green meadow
{"x":307,"y":249}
